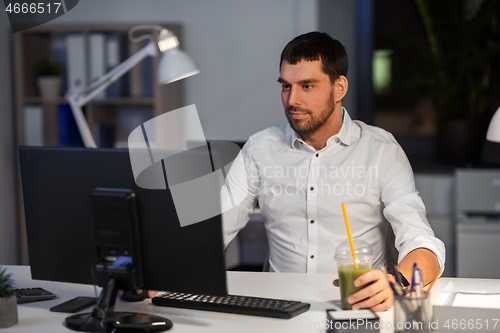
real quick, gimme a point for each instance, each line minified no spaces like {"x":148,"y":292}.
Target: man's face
{"x":307,"y":95}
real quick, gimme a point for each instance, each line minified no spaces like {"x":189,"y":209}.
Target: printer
{"x":478,"y":223}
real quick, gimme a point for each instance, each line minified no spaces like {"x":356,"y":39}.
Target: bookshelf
{"x":37,"y":44}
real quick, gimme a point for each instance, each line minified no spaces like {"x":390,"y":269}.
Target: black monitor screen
{"x":57,"y":188}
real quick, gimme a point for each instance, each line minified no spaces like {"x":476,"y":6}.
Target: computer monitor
{"x":57,"y":186}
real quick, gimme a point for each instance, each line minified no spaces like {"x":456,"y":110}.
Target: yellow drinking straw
{"x":356,"y":266}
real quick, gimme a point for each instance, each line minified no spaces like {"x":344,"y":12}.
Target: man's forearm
{"x":426,"y":261}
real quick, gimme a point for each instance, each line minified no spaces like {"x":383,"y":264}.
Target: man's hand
{"x":378,"y":295}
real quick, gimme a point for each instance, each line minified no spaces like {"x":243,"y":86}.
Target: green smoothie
{"x":347,"y":275}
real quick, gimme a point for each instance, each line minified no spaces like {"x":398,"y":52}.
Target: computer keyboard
{"x":255,"y":306}
{"x":25,"y":295}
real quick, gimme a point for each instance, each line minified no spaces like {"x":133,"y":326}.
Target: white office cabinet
{"x":478,"y":223}
{"x":478,"y":248}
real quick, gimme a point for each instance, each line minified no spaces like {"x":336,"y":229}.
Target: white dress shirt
{"x":300,"y":190}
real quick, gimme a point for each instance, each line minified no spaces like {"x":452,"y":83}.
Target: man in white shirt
{"x":301,"y":171}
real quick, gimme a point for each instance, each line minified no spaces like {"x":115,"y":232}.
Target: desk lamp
{"x":493,"y":133}
{"x":174,"y":65}
{"x":491,"y":148}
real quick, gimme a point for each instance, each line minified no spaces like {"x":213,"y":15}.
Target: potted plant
{"x":49,"y":80}
{"x":8,"y":301}
{"x":459,"y":68}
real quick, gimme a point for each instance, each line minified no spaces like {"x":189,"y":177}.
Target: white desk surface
{"x":316,"y":289}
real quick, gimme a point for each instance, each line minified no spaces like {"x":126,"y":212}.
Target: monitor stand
{"x":103,"y":319}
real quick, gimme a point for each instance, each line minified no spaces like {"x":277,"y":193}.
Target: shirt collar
{"x":296,"y":140}
{"x":348,"y":132}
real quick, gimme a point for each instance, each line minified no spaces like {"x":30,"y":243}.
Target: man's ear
{"x":340,"y":88}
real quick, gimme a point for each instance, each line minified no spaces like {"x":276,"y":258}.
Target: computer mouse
{"x":133,"y":296}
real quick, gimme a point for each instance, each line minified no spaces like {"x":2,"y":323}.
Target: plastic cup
{"x":347,"y":270}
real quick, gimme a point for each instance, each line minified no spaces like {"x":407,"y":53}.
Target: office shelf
{"x":33,"y":45}
{"x":36,"y":44}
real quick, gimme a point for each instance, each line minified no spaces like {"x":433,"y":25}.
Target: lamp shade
{"x":175,"y":65}
{"x":494,"y":128}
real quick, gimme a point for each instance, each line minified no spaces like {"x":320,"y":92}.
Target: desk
{"x":316,"y":289}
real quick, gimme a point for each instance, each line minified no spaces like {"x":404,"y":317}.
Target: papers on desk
{"x":458,"y":294}
{"x":477,"y":300}
{"x":459,"y":303}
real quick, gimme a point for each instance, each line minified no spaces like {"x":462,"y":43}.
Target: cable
{"x":92,"y":269}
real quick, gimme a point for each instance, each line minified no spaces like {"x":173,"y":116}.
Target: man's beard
{"x":313,"y":123}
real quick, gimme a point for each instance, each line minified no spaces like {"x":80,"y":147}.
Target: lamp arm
{"x":79,"y":99}
{"x":81,"y":122}
{"x":94,"y":89}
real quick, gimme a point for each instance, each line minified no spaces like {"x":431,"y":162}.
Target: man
{"x":301,"y":171}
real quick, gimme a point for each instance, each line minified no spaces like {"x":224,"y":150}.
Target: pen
{"x":417,"y":279}
{"x":412,"y":287}
{"x":398,"y":290}
{"x":417,"y":276}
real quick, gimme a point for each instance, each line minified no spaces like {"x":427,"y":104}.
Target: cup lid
{"x":362,"y":249}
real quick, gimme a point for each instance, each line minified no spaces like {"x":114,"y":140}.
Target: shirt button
{"x":312,"y":221}
{"x":317,"y":155}
{"x":312,"y":257}
{"x":312,"y":188}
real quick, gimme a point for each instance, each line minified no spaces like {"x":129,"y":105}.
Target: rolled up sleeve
{"x":404,"y":208}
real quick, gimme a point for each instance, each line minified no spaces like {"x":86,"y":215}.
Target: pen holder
{"x":412,"y":314}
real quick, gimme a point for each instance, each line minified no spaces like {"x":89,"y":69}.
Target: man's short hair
{"x":314,"y":46}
